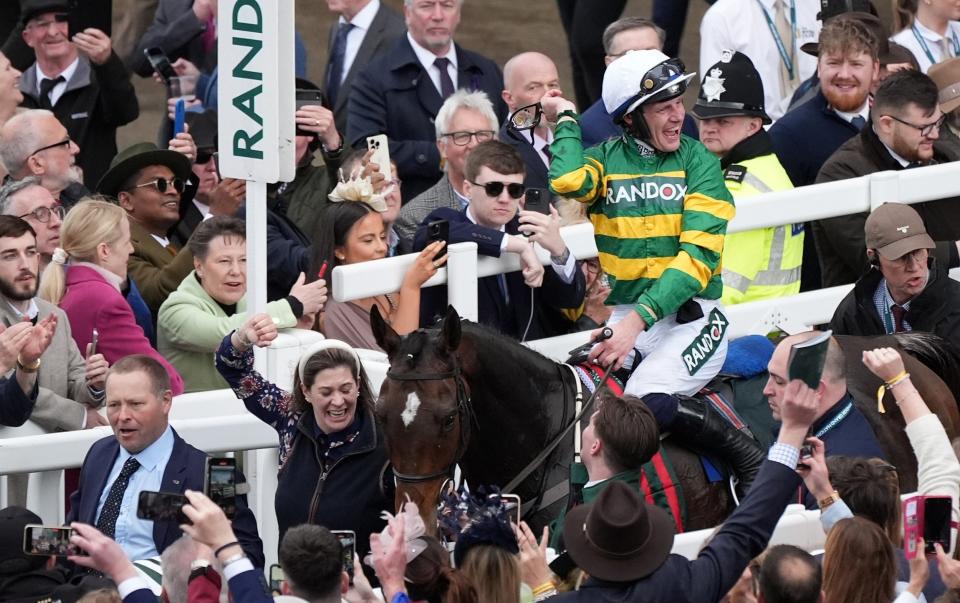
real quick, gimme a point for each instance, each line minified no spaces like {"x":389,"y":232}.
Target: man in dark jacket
{"x":906,"y":289}
{"x":400,"y":93}
{"x":904,"y":125}
{"x":90,"y":93}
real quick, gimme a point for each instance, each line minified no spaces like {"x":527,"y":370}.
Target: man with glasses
{"x":904,"y":126}
{"x":150,"y":184}
{"x":526,"y":304}
{"x":465,"y":120}
{"x":660,"y":208}
{"x":906,"y":288}
{"x":27,"y":200}
{"x":81,"y":80}
{"x":400,"y":93}
{"x":35,"y":143}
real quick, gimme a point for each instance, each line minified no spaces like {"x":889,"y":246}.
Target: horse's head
{"x":423,"y":409}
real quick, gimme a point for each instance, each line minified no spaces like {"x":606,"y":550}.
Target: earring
{"x":340,"y":257}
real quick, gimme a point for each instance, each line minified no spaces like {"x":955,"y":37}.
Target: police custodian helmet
{"x":731,"y":87}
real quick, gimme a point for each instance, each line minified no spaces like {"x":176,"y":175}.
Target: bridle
{"x":464,"y":413}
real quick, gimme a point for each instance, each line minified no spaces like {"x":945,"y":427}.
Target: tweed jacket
{"x":412,"y":214}
{"x":154,"y":269}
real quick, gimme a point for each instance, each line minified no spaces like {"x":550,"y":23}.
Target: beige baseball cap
{"x":895,"y":229}
{"x":947,"y":77}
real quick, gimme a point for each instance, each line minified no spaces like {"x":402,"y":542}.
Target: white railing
{"x":217,"y":423}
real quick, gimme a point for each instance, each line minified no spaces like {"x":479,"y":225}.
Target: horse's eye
{"x":448,"y":421}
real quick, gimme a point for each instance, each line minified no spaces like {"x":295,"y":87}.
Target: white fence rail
{"x":216,"y":422}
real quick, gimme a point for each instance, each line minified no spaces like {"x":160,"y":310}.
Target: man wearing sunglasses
{"x":526,"y":304}
{"x":150,"y":184}
{"x":902,"y":133}
{"x":660,"y":209}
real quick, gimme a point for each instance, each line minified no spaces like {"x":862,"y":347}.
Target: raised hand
{"x":258,"y":330}
{"x":95,"y":44}
{"x":96,"y":369}
{"x":39,"y":340}
{"x":426,"y":265}
{"x":312,"y":295}
{"x":12,"y":340}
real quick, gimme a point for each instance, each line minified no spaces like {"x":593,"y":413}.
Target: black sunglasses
{"x":161,"y":184}
{"x":493,"y":189}
{"x":63,"y":143}
{"x":204,"y":157}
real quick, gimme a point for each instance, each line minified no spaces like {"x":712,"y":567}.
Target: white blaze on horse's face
{"x":409,"y":413}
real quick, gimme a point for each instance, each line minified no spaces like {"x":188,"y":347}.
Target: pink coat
{"x":91,"y":302}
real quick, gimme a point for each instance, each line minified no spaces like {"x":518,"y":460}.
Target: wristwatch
{"x":823,"y":503}
{"x":199,"y":567}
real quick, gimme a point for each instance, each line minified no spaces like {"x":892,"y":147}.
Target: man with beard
{"x":763,"y":263}
{"x":71,"y":388}
{"x":35,"y":143}
{"x":904,"y":124}
{"x":847,"y":64}
{"x":660,"y":209}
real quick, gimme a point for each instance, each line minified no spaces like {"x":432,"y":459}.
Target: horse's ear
{"x":450,"y":331}
{"x":386,"y":337}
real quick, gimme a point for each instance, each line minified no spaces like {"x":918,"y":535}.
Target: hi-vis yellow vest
{"x":762,"y":263}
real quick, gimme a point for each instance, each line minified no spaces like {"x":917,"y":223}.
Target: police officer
{"x":660,"y":210}
{"x":762,"y":263}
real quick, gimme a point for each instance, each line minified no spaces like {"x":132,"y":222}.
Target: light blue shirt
{"x":133,"y":534}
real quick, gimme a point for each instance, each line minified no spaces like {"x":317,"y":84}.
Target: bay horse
{"x":463,"y":394}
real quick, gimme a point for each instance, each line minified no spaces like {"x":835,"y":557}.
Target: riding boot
{"x":699,"y":425}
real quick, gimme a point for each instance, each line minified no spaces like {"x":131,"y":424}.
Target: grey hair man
{"x":35,"y":143}
{"x":29,"y":200}
{"x":464,"y":121}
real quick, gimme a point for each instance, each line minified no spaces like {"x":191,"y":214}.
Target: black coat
{"x":98,"y":100}
{"x":536,"y":173}
{"x":395,"y":96}
{"x":840,"y":241}
{"x":177,"y":31}
{"x":935,"y":310}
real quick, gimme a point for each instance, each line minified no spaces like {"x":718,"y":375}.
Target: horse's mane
{"x":936,"y":353}
{"x":511,"y":344}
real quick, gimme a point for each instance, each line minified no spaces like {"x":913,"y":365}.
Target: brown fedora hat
{"x":618,"y":537}
{"x":947,"y":76}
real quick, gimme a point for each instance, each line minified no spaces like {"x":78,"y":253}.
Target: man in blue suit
{"x":144,"y":454}
{"x":400,"y":93}
{"x":526,"y":304}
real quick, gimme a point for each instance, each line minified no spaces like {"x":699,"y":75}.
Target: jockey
{"x":660,"y":209}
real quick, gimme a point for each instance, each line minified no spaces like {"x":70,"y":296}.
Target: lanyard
{"x":926,"y":49}
{"x":834,"y":421}
{"x":888,"y":323}
{"x":786,"y":57}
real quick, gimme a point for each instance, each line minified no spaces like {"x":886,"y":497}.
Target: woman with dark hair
{"x":430,"y":578}
{"x":332,"y":455}
{"x":859,"y":566}
{"x":352,"y":232}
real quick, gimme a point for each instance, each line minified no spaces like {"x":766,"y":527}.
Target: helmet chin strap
{"x":638,"y":128}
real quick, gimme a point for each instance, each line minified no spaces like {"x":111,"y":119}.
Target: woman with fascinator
{"x":352,"y":230}
{"x":332,"y":454}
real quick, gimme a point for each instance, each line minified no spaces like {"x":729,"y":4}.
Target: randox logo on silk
{"x":647,"y":189}
{"x":706,"y":342}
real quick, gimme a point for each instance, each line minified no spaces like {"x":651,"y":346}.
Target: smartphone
{"x":94,"y":340}
{"x":73,"y":24}
{"x":538,"y":200}
{"x":179,"y":116}
{"x":306,"y":97}
{"x":160,"y":62}
{"x":381,"y":154}
{"x":511,"y":502}
{"x":438,"y":230}
{"x":49,"y":540}
{"x":928,"y":517}
{"x":276,"y":579}
{"x":162,"y":506}
{"x":221,"y":485}
{"x":348,"y":544}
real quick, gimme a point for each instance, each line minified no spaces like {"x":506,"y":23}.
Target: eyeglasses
{"x":63,"y":143}
{"x":926,"y":129}
{"x":161,"y":184}
{"x":917,"y":255}
{"x":493,"y":189}
{"x":42,"y":214}
{"x":58,"y":20}
{"x":462,"y":139}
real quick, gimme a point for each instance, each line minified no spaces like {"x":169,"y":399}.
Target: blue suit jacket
{"x":596,"y":125}
{"x":141,"y":595}
{"x":246,"y":587}
{"x":186,"y":469}
{"x":720,"y":563}
{"x":536,"y":170}
{"x":395,"y":96}
{"x":15,"y":406}
{"x":512,"y":320}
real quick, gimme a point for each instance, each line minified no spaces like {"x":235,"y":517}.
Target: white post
{"x":257,"y":257}
{"x":884,"y":188}
{"x":462,"y":279}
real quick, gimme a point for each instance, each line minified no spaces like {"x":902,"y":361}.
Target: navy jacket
{"x":511,"y":320}
{"x":15,"y":406}
{"x":246,"y":587}
{"x":596,"y":125}
{"x":185,"y":470}
{"x":805,"y":137}
{"x":536,"y":169}
{"x":288,"y":251}
{"x":395,"y":96}
{"x":851,"y":436}
{"x":720,"y":563}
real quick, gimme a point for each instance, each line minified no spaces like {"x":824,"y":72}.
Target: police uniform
{"x":763,"y":263}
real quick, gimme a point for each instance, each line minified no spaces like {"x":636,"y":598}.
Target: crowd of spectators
{"x":123,"y":285}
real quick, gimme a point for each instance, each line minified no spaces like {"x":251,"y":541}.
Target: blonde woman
{"x":85,"y":277}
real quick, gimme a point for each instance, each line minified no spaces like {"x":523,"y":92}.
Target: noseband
{"x":464,"y":413}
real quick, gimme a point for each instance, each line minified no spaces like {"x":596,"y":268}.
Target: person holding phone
{"x":332,"y":453}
